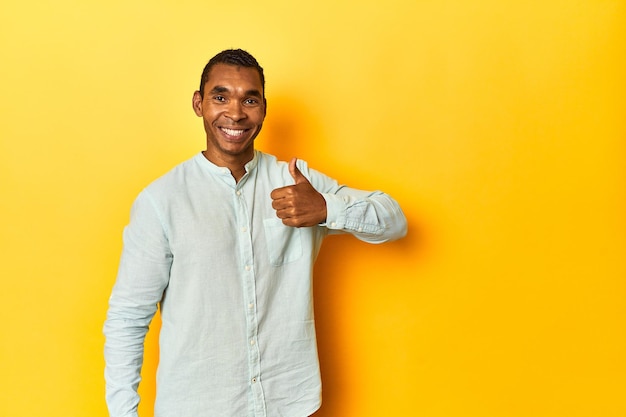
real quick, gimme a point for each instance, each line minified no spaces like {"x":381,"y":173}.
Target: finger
{"x":279,"y":193}
{"x":295,"y":172}
{"x":285,"y":213}
{"x":280,"y":204}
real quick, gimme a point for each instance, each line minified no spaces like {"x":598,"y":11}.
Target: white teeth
{"x":232,"y":132}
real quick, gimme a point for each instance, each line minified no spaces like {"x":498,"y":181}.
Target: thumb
{"x":295,"y":172}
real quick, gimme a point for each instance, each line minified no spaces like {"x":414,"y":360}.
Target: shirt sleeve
{"x":142,"y":278}
{"x":371,"y":216}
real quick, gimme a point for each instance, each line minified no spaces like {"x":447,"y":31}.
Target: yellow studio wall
{"x":498,"y":125}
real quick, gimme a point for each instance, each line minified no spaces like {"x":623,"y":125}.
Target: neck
{"x":236,"y":164}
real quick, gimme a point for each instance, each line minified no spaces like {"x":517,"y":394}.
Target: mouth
{"x":233,"y":133}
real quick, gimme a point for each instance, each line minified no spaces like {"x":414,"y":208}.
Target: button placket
{"x":249,"y":289}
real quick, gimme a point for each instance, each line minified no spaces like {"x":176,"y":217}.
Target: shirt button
{"x":360,"y":229}
{"x":244,"y":229}
{"x":254,"y":380}
{"x":238,"y":192}
{"x":250,"y":305}
{"x":252,"y":342}
{"x":333,"y":224}
{"x":248,"y":267}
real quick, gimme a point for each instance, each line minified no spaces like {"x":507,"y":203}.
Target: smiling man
{"x":224,"y":245}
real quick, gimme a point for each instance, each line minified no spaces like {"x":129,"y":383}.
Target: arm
{"x":373,"y":217}
{"x":142,"y":277}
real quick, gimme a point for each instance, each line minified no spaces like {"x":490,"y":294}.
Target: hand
{"x":299,"y":205}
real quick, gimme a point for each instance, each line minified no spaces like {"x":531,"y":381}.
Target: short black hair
{"x":237,"y":57}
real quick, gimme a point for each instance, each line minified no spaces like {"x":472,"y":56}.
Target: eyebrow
{"x":221,"y":89}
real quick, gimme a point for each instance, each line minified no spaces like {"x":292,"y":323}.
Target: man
{"x":225,"y":245}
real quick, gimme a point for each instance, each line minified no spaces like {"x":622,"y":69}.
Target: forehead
{"x":233,"y":77}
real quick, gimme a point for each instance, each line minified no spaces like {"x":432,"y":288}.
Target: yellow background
{"x":499,"y":126}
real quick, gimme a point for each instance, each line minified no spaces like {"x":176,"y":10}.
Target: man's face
{"x":233,"y":109}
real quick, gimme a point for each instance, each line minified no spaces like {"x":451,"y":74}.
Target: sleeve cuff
{"x":335,"y":211}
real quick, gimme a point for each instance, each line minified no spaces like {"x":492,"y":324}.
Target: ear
{"x":196,"y":103}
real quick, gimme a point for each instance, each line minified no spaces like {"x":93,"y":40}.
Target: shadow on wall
{"x":291,"y":130}
{"x":333,"y":283}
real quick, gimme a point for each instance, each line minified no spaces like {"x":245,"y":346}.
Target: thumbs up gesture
{"x":299,"y":205}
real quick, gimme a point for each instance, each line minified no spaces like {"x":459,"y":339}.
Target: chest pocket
{"x":284,"y":243}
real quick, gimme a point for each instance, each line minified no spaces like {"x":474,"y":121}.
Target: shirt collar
{"x":223,"y":171}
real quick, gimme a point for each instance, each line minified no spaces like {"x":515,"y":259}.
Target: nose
{"x":235,"y":111}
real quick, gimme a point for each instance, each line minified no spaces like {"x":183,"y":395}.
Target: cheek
{"x":208,"y":126}
{"x":209,"y":116}
{"x":259,"y":116}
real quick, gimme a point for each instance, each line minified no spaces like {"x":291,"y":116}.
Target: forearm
{"x":125,"y":330}
{"x":372,"y":217}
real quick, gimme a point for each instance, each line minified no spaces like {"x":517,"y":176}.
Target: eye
{"x":220,"y":99}
{"x":251,"y":101}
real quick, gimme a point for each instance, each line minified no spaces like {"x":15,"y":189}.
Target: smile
{"x":233,"y":132}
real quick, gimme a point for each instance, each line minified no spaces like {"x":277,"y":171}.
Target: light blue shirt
{"x":234,"y":287}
